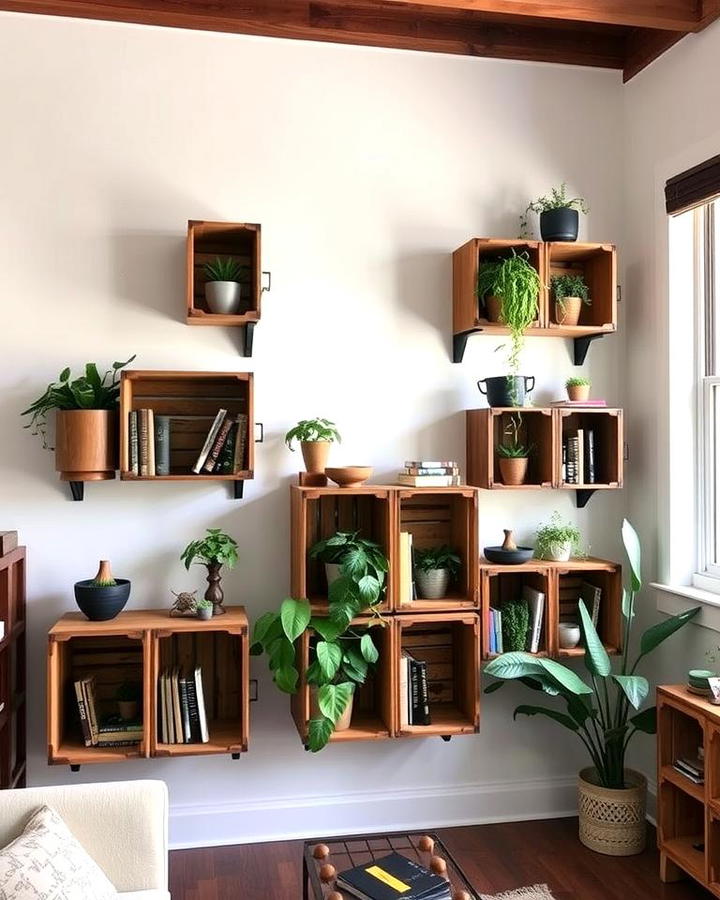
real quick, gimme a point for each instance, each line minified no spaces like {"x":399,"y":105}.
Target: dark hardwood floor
{"x":495,"y":857}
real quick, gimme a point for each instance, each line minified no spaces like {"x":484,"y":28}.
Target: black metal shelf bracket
{"x":582,"y":497}
{"x":248,"y":335}
{"x":236,"y":756}
{"x":581,"y":345}
{"x":74,"y":767}
{"x":78,"y":489}
{"x":446,"y":737}
{"x":238,"y":488}
{"x":459,"y":344}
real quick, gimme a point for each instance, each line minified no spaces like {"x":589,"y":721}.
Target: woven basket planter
{"x":612,"y":821}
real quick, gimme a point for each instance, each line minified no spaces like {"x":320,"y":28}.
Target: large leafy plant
{"x":88,"y":391}
{"x":217,"y":548}
{"x":432,"y":558}
{"x":311,"y":430}
{"x":599,"y":713}
{"x":341,"y":657}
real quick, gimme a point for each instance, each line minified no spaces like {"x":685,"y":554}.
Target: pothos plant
{"x":312,"y":430}
{"x":599,"y":713}
{"x":215,"y":549}
{"x":557,"y":199}
{"x":363,"y":570}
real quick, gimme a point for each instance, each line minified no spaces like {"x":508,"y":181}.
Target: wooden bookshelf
{"x":607,"y":426}
{"x":562,"y":584}
{"x":13,"y":683}
{"x":207,"y":241}
{"x":135,"y":647}
{"x":192,"y":400}
{"x":598,"y":263}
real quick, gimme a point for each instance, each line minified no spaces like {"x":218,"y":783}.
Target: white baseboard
{"x":218,"y":824}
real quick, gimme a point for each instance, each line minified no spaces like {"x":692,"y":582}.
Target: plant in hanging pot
{"x":611,"y":797}
{"x":315,"y":437}
{"x":559,"y":219}
{"x":578,"y":388}
{"x":223,"y":285}
{"x":355,"y":568}
{"x":570,"y":293}
{"x":101,"y":598}
{"x":215,"y":550}
{"x":85,"y":422}
{"x":558,"y":541}
{"x":433,"y":570}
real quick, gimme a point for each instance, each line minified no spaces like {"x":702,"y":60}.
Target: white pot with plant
{"x":433,"y":569}
{"x":570,"y":294}
{"x":611,"y":797}
{"x":315,"y":437}
{"x":578,"y":388}
{"x":558,"y":541}
{"x":223,"y":289}
{"x":204,"y":609}
{"x":559,"y":215}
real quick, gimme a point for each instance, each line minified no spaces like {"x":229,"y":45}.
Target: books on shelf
{"x":209,"y":440}
{"x":182,"y":718}
{"x":536,"y":604}
{"x":407,"y":585}
{"x":694,"y":769}
{"x":414,"y":695}
{"x":111,"y":731}
{"x":429,"y":473}
{"x":391,"y":877}
{"x":578,"y":457}
{"x":162,"y":445}
{"x":574,"y":404}
{"x":495,"y":630}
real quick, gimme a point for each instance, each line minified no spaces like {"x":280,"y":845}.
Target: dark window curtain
{"x":694,"y":187}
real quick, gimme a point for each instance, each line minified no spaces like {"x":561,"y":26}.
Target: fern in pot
{"x":434,"y":569}
{"x":570,"y":294}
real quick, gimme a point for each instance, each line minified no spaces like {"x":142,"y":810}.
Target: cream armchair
{"x":122,"y":825}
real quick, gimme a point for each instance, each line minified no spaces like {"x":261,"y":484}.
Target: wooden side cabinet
{"x":136,"y":647}
{"x":13,"y":702}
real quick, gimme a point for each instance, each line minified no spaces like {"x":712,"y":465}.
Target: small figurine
{"x":184,"y":605}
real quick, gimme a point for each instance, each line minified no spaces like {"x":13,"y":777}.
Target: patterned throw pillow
{"x":46,"y":863}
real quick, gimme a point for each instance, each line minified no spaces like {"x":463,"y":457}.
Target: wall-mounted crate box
{"x":191,"y":401}
{"x":591,"y":580}
{"x":503,"y":584}
{"x":449,"y":643}
{"x":599,"y":433}
{"x":317,"y":514}
{"x":597,"y":263}
{"x":435,"y":517}
{"x":486,"y":429}
{"x":13,"y":682}
{"x":373,"y":702}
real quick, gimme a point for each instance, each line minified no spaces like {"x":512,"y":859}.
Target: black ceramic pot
{"x":559,"y":224}
{"x":101,"y":603}
{"x":508,"y":557}
{"x":506,"y":390}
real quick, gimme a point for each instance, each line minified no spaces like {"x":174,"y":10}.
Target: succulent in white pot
{"x":557,"y":540}
{"x":434,"y":568}
{"x":223,"y":288}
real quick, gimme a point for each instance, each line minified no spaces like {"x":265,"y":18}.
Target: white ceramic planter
{"x":223,"y":297}
{"x":559,"y":552}
{"x":432,"y":584}
{"x":568,"y":635}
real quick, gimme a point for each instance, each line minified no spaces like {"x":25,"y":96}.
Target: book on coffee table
{"x":393,"y":877}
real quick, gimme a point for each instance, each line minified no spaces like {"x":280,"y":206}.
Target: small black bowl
{"x":101,"y":603}
{"x":508,"y":557}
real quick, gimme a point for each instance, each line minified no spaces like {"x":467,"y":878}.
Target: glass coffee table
{"x":324,"y":858}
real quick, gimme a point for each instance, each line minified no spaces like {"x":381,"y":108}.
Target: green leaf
{"x":355,"y":563}
{"x":64,"y":375}
{"x":632,"y":548}
{"x":646,"y":721}
{"x":565,"y":677}
{"x":628,"y":603}
{"x":93,"y":376}
{"x":313,"y":674}
{"x":656,"y":634}
{"x":327,"y":630}
{"x":256,"y":649}
{"x":334,"y":698}
{"x":369,"y":588}
{"x":579,"y":709}
{"x":354,"y":658}
{"x":635,"y":687}
{"x":542,"y":683}
{"x":83,"y":393}
{"x":267,"y":628}
{"x":368,"y":649}
{"x":286,"y":679}
{"x":550,"y":713}
{"x":319,"y":732}
{"x":513,"y":665}
{"x":495,"y":686}
{"x":597,"y":660}
{"x":329,"y":657}
{"x":295,"y":617}
{"x":281,"y":654}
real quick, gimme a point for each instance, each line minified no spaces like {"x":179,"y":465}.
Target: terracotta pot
{"x":567,"y":311}
{"x":513,"y":470}
{"x":86,"y":447}
{"x":432,"y":584}
{"x":214,"y":593}
{"x":493,"y":305}
{"x":612,"y":821}
{"x":578,"y":391}
{"x":343,"y":723}
{"x":315,"y":454}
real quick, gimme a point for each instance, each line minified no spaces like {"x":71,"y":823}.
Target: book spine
{"x":498,"y":619}
{"x":204,"y":733}
{"x":590,"y":477}
{"x":564,"y":461}
{"x":193,"y":710}
{"x":144,"y":456}
{"x":88,"y":686}
{"x":423,"y":696}
{"x":162,"y":445}
{"x":84,"y":724}
{"x":240,"y":443}
{"x":209,"y":441}
{"x":492,"y":643}
{"x":217,"y":447}
{"x":417,"y":470}
{"x":404,"y":719}
{"x":133,"y":437}
{"x":151,"y":442}
{"x":227,"y":454}
{"x":117,"y":743}
{"x":414,"y":693}
{"x":185,"y":709}
{"x":431,"y":463}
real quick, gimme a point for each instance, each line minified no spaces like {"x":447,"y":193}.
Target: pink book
{"x":575,"y":403}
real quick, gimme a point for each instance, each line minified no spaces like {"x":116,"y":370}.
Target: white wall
{"x":366,"y":169}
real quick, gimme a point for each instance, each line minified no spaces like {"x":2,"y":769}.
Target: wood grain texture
{"x":13,"y":742}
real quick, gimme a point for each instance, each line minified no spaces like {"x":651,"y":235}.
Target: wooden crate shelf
{"x":598,"y":263}
{"x":238,"y":241}
{"x":373,"y":704}
{"x":192,"y":400}
{"x":13,"y":664}
{"x":607,"y":427}
{"x":562,"y":585}
{"x":136,"y":646}
{"x":487,"y":428}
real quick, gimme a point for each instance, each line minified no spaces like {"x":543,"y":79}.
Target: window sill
{"x":673,"y":599}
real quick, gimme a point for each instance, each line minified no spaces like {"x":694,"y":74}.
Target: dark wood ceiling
{"x":614,"y":34}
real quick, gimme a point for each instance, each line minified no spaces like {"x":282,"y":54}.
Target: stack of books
{"x":414,"y":697}
{"x":587,"y":404}
{"x":110,"y":732}
{"x":181,"y":707}
{"x":391,"y":877}
{"x":578,"y":457}
{"x":429,"y":473}
{"x":223,"y":452}
{"x":536,"y":604}
{"x":571,"y":592}
{"x":694,"y":769}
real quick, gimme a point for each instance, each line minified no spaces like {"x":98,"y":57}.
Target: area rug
{"x":536,"y":892}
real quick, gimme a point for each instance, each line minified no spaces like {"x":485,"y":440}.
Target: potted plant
{"x":204,"y":609}
{"x":559,"y":219}
{"x":558,"y":540}
{"x":128,"y":699}
{"x":570,"y":292}
{"x":315,"y":437}
{"x":85,"y":422}
{"x":101,"y":598}
{"x":342,"y":656}
{"x":355,"y":568}
{"x":513,"y":456}
{"x":222,"y":288}
{"x":434,"y":568}
{"x":611,"y":797}
{"x":215,"y":550}
{"x":578,"y":388}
